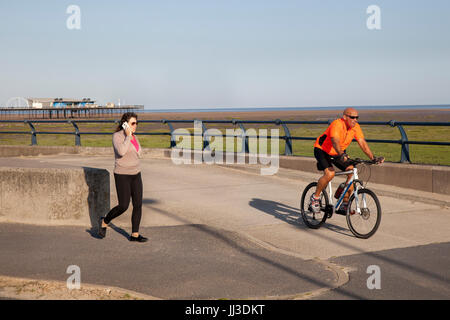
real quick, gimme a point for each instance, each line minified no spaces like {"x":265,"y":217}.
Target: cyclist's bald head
{"x":350,"y":116}
{"x":350,"y":112}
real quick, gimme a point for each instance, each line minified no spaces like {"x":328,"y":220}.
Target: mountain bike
{"x":363,"y":212}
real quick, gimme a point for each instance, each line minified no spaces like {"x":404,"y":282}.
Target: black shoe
{"x":138,"y":238}
{"x":101,"y":231}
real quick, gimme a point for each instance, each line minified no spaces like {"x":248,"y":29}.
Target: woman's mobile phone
{"x":125,"y":126}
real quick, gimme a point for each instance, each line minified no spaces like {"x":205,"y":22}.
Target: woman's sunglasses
{"x":134,"y":123}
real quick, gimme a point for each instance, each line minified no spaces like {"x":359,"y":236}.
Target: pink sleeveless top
{"x":135,"y":143}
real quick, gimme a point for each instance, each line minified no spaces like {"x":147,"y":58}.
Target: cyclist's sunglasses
{"x":353,"y":117}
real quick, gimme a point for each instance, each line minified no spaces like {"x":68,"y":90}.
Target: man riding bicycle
{"x":330,"y":149}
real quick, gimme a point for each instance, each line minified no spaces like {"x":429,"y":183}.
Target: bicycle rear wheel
{"x":364,"y":224}
{"x":311,"y":219}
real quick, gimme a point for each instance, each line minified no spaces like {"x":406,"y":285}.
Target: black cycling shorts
{"x":324,"y":160}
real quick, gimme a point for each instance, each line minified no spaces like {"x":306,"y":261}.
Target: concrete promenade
{"x":215,"y":232}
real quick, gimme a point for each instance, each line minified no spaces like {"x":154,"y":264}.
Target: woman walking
{"x":127,"y":176}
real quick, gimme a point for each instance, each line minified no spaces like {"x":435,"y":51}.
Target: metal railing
{"x":287,"y":137}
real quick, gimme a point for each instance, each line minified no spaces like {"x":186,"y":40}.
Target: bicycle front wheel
{"x":313,"y":219}
{"x":364,"y":224}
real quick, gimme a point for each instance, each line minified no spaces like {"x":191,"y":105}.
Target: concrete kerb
{"x":34,"y":151}
{"x":341,"y":273}
{"x":425,"y":178}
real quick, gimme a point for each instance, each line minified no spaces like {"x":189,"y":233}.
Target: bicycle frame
{"x":352,"y":181}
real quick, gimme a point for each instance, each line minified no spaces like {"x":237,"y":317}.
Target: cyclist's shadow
{"x":289,"y":214}
{"x":280,"y":211}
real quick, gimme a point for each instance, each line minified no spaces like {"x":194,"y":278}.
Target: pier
{"x":66,"y":112}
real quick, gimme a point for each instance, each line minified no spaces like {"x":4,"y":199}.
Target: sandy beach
{"x":434,"y":114}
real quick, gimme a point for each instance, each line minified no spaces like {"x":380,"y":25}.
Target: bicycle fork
{"x":364,"y":204}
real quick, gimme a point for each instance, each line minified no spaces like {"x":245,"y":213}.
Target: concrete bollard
{"x":43,"y":195}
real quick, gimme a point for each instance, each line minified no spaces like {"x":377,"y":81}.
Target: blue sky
{"x":227,"y":53}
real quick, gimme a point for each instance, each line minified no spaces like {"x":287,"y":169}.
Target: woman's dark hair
{"x":125,"y":118}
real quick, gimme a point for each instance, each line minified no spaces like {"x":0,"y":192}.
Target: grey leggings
{"x":128,"y":186}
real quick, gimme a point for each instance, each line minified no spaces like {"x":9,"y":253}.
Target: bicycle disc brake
{"x":365,"y":213}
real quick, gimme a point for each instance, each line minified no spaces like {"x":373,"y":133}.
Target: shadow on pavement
{"x":94,"y":231}
{"x":268,"y":261}
{"x":119,"y":230}
{"x":290,"y":215}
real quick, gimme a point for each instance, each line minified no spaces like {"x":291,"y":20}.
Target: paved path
{"x":201,"y":217}
{"x":179,"y":262}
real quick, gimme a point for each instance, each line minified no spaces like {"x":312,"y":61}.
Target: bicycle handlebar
{"x":359,"y":161}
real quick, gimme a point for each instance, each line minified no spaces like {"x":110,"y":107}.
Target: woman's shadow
{"x":94,"y":231}
{"x":95,"y":223}
{"x":288,"y":214}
